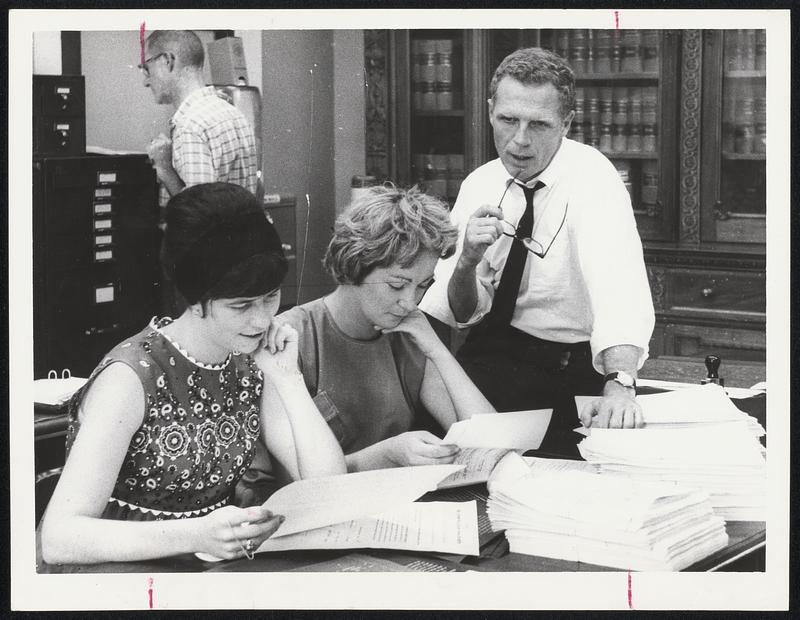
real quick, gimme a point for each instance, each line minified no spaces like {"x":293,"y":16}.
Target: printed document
{"x":446,"y":527}
{"x":316,"y":502}
{"x":515,"y":430}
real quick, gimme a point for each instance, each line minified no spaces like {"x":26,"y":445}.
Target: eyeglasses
{"x":144,"y":66}
{"x":533,"y":246}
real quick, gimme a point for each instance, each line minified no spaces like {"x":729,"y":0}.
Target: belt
{"x":523,"y":347}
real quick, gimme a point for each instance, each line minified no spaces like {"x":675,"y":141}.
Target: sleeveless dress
{"x":198,"y":434}
{"x":366,"y":390}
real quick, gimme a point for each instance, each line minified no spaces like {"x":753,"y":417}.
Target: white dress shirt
{"x":591,"y":285}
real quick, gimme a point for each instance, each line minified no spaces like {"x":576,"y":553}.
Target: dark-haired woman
{"x":371,"y":360}
{"x":169,"y":420}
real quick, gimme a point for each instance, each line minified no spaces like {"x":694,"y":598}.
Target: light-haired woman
{"x":372,"y":362}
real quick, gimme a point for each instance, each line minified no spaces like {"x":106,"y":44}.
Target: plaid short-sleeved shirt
{"x":211,"y":141}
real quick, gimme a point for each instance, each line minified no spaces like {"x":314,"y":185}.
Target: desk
{"x":745,"y":550}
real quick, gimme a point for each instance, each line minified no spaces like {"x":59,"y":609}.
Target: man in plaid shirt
{"x":210,"y":140}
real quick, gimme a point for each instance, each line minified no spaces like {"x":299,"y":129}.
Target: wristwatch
{"x":621,"y":377}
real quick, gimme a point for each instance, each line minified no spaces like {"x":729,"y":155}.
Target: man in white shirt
{"x":559,"y":303}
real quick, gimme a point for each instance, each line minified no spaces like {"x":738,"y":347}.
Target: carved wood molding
{"x":691,"y":76}
{"x":376,"y":88}
{"x":658,"y":287}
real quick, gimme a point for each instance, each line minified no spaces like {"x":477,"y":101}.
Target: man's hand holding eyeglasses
{"x":483,"y":229}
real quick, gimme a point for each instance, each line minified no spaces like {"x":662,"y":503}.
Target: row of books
{"x":641,"y":180}
{"x":432,"y":84}
{"x":745,"y":50}
{"x":440,"y":173}
{"x":744,"y":116}
{"x":608,"y":51}
{"x":613,"y":139}
{"x":616,"y":119}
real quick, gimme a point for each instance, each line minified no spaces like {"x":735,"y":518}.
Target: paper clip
{"x":65,"y":374}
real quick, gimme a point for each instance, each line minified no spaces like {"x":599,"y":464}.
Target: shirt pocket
{"x":330,"y":413}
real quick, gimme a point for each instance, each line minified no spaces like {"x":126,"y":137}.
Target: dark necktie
{"x":505,"y":297}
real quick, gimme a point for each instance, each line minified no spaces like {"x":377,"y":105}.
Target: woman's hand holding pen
{"x":231,"y":533}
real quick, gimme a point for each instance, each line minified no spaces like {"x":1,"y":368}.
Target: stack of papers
{"x":722,"y":459}
{"x":568,"y":512}
{"x":696,"y":405}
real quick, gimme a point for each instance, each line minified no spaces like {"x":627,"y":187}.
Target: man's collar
{"x":191,"y":98}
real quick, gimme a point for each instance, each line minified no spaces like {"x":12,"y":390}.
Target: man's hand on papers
{"x":419,"y":448}
{"x":616,"y":409}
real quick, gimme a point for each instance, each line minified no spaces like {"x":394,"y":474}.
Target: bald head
{"x":185,"y":45}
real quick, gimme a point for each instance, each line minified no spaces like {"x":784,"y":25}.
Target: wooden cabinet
{"x":680,"y":113}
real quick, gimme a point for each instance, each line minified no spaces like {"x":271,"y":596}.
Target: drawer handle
{"x":708,"y":292}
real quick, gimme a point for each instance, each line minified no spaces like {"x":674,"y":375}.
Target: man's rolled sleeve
{"x":612,"y":263}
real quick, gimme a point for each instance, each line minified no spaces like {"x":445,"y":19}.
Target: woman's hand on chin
{"x":279,"y":353}
{"x":417,"y":326}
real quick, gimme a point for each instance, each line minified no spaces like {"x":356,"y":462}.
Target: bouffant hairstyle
{"x":387,"y":226}
{"x":220,"y":245}
{"x":534,"y":65}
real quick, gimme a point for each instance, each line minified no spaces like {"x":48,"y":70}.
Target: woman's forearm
{"x":466,"y":398}
{"x":375,"y":456}
{"x":318,"y":452}
{"x":78,"y":539}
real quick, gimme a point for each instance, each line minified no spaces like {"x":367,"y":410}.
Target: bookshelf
{"x":679,"y":113}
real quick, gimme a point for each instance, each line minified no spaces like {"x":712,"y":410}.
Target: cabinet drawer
{"x":716,"y":292}
{"x":697,"y":341}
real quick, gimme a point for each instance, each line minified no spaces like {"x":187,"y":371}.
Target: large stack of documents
{"x":567,"y":511}
{"x":696,"y":438}
{"x":724,"y":461}
{"x":700,"y":405}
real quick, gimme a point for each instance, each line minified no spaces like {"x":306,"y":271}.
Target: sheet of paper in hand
{"x":514,"y":430}
{"x":317,"y":502}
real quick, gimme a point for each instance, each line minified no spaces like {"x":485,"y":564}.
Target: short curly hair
{"x":387,"y":226}
{"x":535,"y":65}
